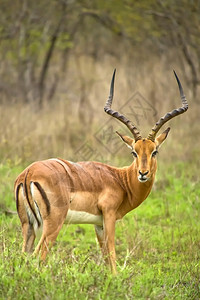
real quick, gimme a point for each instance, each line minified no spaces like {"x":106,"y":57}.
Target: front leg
{"x":106,"y":238}
{"x":99,"y":230}
{"x":109,"y":239}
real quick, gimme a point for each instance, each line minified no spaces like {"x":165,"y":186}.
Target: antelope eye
{"x":154,"y":153}
{"x":134,"y":153}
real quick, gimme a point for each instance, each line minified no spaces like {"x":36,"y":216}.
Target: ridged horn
{"x":168,"y":116}
{"x":133,"y":129}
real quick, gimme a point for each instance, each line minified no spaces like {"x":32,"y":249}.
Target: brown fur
{"x":46,"y":190}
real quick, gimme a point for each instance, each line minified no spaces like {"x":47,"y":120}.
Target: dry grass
{"x":76,"y":113}
{"x":157,"y":245}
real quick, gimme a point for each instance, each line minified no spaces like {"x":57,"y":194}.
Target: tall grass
{"x":157,"y":249}
{"x":157,"y":244}
{"x":74,"y":116}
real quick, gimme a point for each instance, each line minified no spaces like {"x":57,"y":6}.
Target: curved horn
{"x":171,"y":114}
{"x":117,"y":115}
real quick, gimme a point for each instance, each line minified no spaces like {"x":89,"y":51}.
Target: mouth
{"x":143,"y":178}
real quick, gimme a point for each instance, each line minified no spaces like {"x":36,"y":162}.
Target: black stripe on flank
{"x":26,"y":194}
{"x":17,"y":196}
{"x":44,"y":196}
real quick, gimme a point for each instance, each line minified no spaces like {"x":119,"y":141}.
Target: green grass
{"x":158,"y":248}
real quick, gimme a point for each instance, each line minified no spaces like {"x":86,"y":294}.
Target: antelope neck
{"x":137,"y":191}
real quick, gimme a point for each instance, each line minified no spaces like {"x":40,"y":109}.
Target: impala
{"x":55,"y":191}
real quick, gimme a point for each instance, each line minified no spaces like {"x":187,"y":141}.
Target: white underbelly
{"x":82,"y":217}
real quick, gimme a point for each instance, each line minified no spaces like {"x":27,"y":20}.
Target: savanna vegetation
{"x":57,"y":59}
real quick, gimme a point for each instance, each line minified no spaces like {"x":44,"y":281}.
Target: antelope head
{"x":144,"y":150}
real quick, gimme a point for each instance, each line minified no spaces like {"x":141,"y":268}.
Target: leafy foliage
{"x":35,"y":37}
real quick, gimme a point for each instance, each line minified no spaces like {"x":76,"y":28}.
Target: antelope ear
{"x":127,"y":140}
{"x":160,"y":139}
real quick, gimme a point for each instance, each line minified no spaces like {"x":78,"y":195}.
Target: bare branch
{"x":48,"y":58}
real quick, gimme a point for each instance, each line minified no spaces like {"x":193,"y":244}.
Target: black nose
{"x":143,"y":174}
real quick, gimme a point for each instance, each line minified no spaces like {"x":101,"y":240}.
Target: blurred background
{"x":57,"y":60}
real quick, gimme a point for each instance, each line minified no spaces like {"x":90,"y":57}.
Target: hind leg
{"x":46,"y":242}
{"x":28,"y":237}
{"x":27,"y":226}
{"x":51,"y":229}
